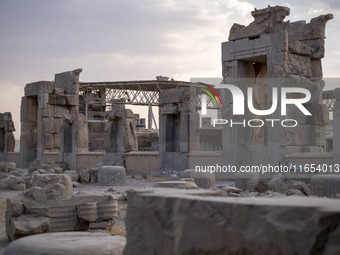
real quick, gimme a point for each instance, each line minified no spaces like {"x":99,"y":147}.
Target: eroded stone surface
{"x":112,"y":175}
{"x":55,"y":186}
{"x":198,"y":222}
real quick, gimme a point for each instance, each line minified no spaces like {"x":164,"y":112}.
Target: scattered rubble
{"x":31,"y":214}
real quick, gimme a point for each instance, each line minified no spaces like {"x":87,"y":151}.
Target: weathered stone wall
{"x":268,"y":53}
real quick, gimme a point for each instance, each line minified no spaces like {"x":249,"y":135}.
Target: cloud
{"x":127,"y":39}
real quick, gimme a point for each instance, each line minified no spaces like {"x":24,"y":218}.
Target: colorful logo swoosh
{"x":209,"y":93}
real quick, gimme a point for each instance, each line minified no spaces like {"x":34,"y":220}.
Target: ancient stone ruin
{"x":50,"y":119}
{"x":88,"y":163}
{"x":271,"y":52}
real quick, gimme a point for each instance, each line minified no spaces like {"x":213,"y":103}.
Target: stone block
{"x":48,"y":141}
{"x":15,"y":207}
{"x":169,"y":109}
{"x":64,"y":100}
{"x":84,"y":175}
{"x":231,"y":225}
{"x":57,"y":122}
{"x":112,"y":175}
{"x":55,"y":186}
{"x":43,"y":100}
{"x":59,"y":111}
{"x":85,"y":243}
{"x":25,"y":225}
{"x":300,"y":48}
{"x":245,"y":48}
{"x":298,"y":65}
{"x":69,"y":81}
{"x":48,"y":125}
{"x":73,"y":174}
{"x":168,"y":96}
{"x":35,"y":88}
{"x":56,"y":141}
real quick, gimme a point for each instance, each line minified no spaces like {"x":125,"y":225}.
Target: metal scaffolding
{"x":127,"y":92}
{"x":328,"y":99}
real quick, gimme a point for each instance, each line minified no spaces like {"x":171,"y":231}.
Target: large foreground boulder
{"x":199,"y":222}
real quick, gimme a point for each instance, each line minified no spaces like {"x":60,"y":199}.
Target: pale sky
{"x":116,"y":40}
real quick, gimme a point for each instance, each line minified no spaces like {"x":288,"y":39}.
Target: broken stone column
{"x":269,"y":53}
{"x":34,"y":212}
{"x":112,"y":175}
{"x":120,"y":136}
{"x":178,"y":128}
{"x":7,"y":140}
